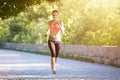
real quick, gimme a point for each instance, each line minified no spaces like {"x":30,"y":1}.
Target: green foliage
{"x":13,"y":7}
{"x":91,"y":22}
{"x":4,"y":31}
{"x":29,"y":26}
{"x":87,"y":22}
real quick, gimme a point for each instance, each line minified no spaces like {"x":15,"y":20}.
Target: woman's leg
{"x":57,"y":49}
{"x":51,"y":45}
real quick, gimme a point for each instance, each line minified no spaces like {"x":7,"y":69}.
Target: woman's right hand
{"x":45,"y":35}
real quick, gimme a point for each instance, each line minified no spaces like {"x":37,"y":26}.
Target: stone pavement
{"x":15,"y":65}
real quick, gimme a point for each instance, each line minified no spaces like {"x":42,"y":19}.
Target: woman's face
{"x":55,"y":15}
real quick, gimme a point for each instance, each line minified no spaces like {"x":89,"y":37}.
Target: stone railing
{"x":99,"y":54}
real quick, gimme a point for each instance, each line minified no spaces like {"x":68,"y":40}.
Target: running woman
{"x":55,"y":27}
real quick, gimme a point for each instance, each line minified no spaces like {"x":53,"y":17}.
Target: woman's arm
{"x":61,"y":26}
{"x":47,"y":31}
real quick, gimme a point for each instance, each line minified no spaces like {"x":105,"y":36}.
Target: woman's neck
{"x":55,"y":20}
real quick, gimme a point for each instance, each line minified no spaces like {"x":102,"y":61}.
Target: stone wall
{"x":26,"y":47}
{"x":100,"y":54}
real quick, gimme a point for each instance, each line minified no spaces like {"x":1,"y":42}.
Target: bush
{"x":87,"y":22}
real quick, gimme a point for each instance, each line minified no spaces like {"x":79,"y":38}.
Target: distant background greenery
{"x":87,"y":22}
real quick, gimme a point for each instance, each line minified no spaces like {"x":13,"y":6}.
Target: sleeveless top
{"x":54,"y":31}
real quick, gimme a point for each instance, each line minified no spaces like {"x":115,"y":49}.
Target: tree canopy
{"x":87,"y":22}
{"x":13,"y":7}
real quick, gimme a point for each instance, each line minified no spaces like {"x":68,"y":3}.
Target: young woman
{"x":54,"y":28}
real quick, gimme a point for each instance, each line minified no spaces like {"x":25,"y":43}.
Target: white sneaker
{"x":54,"y":71}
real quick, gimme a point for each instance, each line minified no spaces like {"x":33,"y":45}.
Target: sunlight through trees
{"x":87,"y":22}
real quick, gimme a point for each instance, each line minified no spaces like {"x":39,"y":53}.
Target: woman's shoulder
{"x":60,"y":22}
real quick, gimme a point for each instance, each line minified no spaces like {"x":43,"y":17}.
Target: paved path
{"x":15,"y":65}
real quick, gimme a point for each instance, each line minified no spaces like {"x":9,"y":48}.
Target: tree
{"x":13,"y":7}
